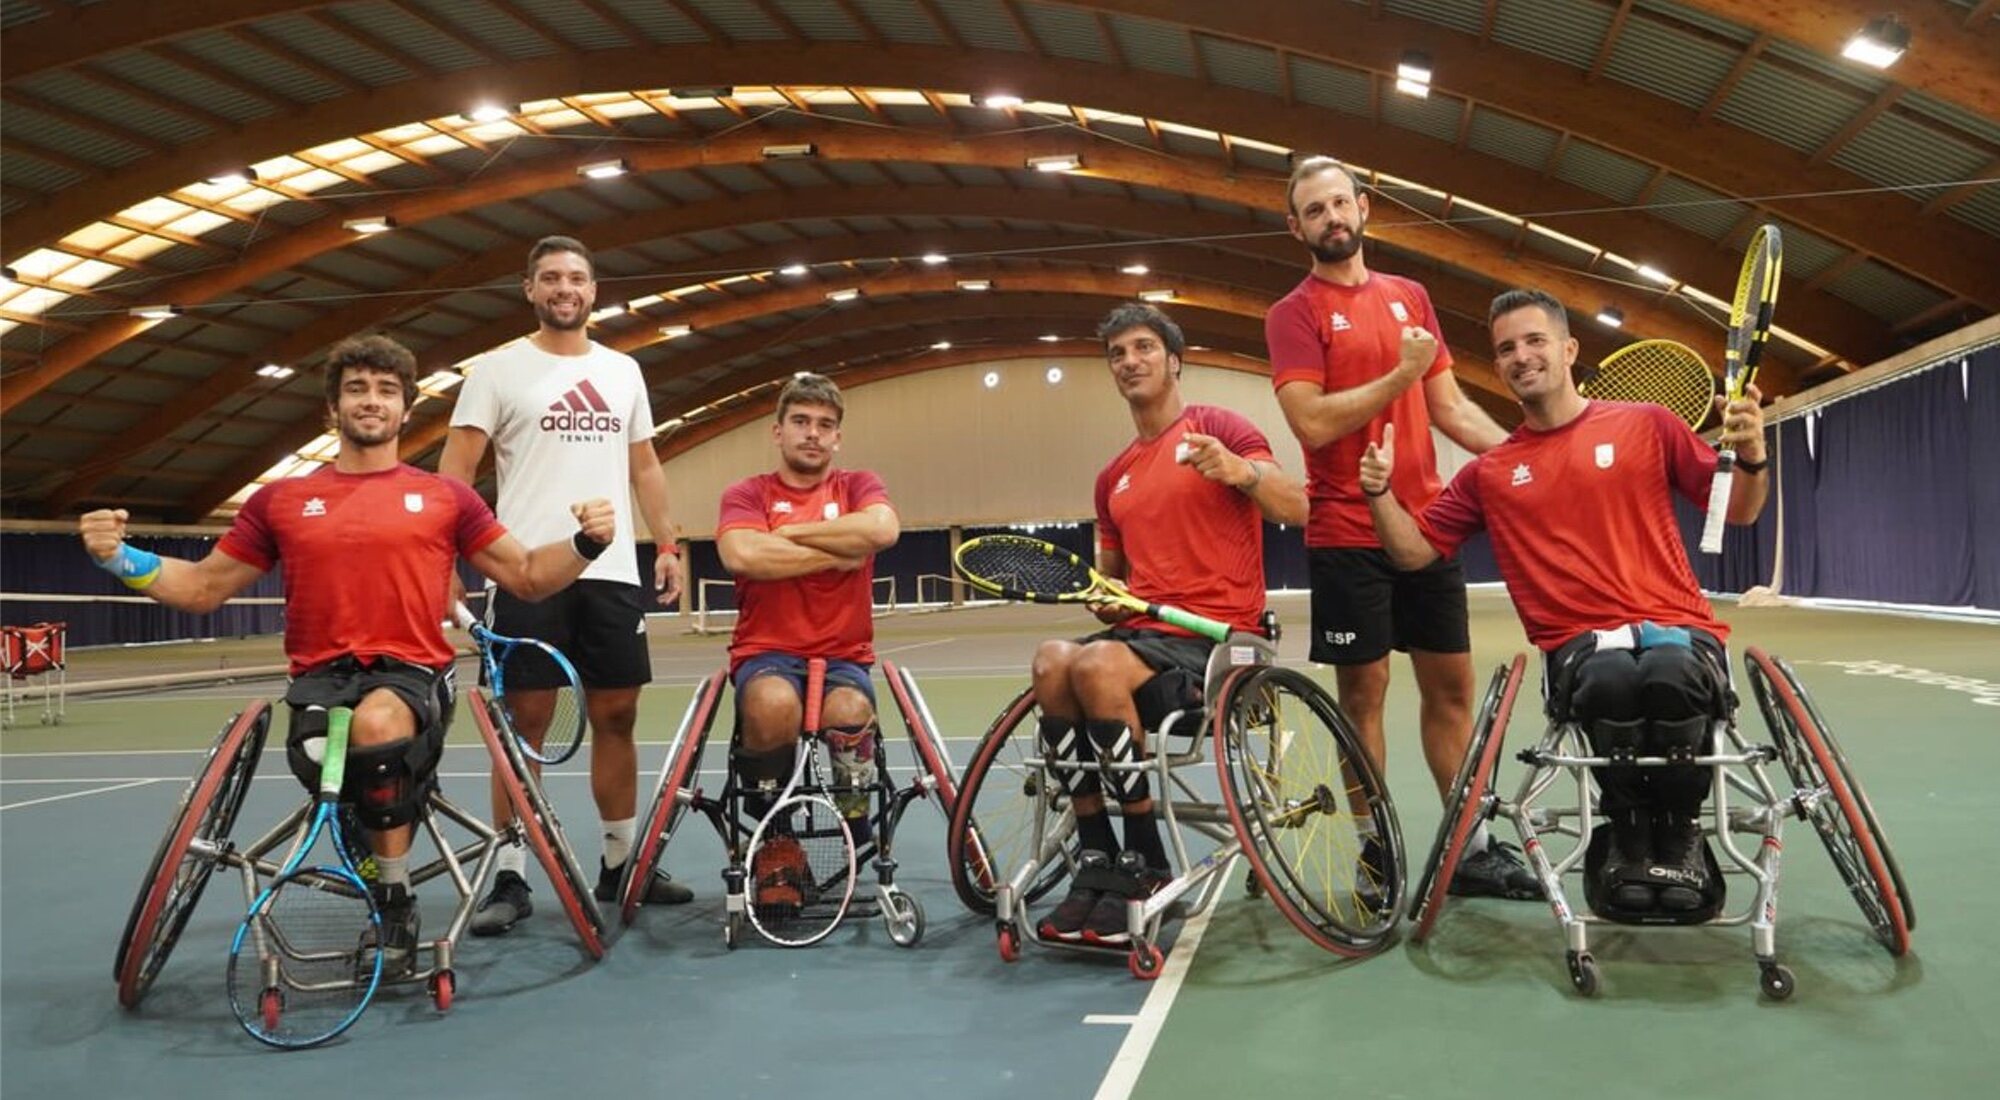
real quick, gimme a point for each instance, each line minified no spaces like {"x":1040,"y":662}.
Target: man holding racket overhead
{"x":801,"y":542}
{"x":1351,"y":352}
{"x":1180,"y":516}
{"x":1578,"y":504}
{"x":371,"y":643}
{"x":567,"y":416}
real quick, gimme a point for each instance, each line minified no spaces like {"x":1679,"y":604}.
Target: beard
{"x":352,"y":432}
{"x":546,"y":314}
{"x":1333,"y":254}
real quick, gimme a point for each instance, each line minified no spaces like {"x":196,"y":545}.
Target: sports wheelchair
{"x":828,"y":891}
{"x":198,"y":841}
{"x":1293,"y":778}
{"x":1743,"y":801}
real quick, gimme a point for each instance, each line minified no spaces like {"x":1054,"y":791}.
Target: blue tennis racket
{"x":539,"y":694}
{"x":306,"y":959}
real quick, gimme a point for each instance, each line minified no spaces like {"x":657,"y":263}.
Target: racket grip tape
{"x":815,"y":691}
{"x":333,"y":767}
{"x":1718,"y":503}
{"x":1207,"y":628}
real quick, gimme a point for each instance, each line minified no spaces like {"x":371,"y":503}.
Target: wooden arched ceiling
{"x":100,"y":406}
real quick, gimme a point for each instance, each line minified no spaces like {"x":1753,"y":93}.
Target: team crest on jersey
{"x":1401,"y":314}
{"x":782,"y":508}
{"x":1523,"y":475}
{"x":1124,"y":483}
{"x":1604,"y":456}
{"x":413,"y":502}
{"x":314,"y":507}
{"x":831,"y":511}
{"x":1340,"y":322}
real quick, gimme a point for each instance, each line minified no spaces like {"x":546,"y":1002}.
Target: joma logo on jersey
{"x":582,"y":409}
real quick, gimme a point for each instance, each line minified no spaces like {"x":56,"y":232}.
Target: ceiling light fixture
{"x":1061,"y":162}
{"x":793,"y":269}
{"x":603,"y":169}
{"x":1611,"y":317}
{"x":1880,"y":44}
{"x":975,"y":284}
{"x":1135,"y":269}
{"x":999,"y":101}
{"x":675,"y":332}
{"x":1161,"y":295}
{"x":491,"y":112}
{"x":381,"y":223}
{"x":844,"y":294}
{"x":156,"y":313}
{"x":791,"y":152}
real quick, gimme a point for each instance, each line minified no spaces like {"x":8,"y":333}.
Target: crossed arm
{"x":798,"y":549}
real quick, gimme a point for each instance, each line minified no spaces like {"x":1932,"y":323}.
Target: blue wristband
{"x":133,"y":567}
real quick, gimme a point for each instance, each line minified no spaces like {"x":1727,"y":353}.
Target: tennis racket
{"x":1014,"y":567}
{"x":1662,"y":372}
{"x":1749,"y":331}
{"x":313,"y":962}
{"x":801,"y":854}
{"x":539,"y":694}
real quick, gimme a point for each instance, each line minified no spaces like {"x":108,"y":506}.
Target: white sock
{"x":1477,"y":842}
{"x":393,"y":870}
{"x":514,"y":857}
{"x":618,"y":841}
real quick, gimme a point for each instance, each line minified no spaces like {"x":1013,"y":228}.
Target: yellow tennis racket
{"x":1749,"y":331}
{"x":1663,"y":372}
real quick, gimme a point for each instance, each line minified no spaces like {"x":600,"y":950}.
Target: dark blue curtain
{"x":1983,"y":420}
{"x":58,"y":564}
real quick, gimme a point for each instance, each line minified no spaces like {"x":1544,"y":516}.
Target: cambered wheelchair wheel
{"x":679,"y":776}
{"x":544,"y":831}
{"x":1468,"y":796}
{"x":1294,"y":780}
{"x":932,"y":757}
{"x":1834,"y":801}
{"x":993,"y":823}
{"x":188,"y":854}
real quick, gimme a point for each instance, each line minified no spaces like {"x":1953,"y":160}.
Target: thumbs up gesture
{"x":1377,"y":461}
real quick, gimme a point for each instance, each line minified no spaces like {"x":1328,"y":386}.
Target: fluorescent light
{"x":793,"y":269}
{"x":1880,"y":44}
{"x":381,"y":223}
{"x":614,"y":310}
{"x":1160,"y":295}
{"x":1648,"y":271}
{"x":232,"y":176}
{"x":1061,"y":162}
{"x":941,"y":345}
{"x":936,"y":258}
{"x":441,"y":381}
{"x":975,"y":284}
{"x":992,"y":379}
{"x":604,"y":169}
{"x":675,"y":332}
{"x":1000,"y":101}
{"x":1049,"y":338}
{"x":1413,"y":88}
{"x":787,"y":152}
{"x":1611,"y":317}
{"x":712,"y":91}
{"x":273,"y":370}
{"x":1053,"y":374}
{"x":1135,"y":269}
{"x":490,"y":112}
{"x":156,"y":313}
{"x":844,"y":294}
{"x":1415,"y":65}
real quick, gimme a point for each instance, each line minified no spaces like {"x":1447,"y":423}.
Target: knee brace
{"x":1681,"y":787}
{"x":1115,"y":746}
{"x":1062,"y":748}
{"x":1623,"y":784}
{"x":384,"y":783}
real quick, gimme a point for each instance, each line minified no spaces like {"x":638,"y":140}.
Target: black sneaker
{"x":1680,"y":862}
{"x":398,"y":908}
{"x":1066,"y":922}
{"x":663,"y":890}
{"x":1622,"y":880}
{"x":1371,"y":875}
{"x":506,"y":905}
{"x":1496,"y":872}
{"x":1109,"y":923}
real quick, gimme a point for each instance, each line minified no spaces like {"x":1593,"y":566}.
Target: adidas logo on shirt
{"x":582,"y":409}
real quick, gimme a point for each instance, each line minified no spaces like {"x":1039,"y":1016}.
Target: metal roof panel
{"x":1509,"y":138}
{"x":1064,"y":32}
{"x":981,"y":25}
{"x":1667,"y":61}
{"x":1435,"y":115}
{"x":1562,"y":29}
{"x":660,"y":21}
{"x":1324,"y":85}
{"x":1603,"y":171}
{"x":901,"y":21}
{"x":1151,"y":44}
{"x":1789,"y":108}
{"x":1239,"y":66}
{"x":739,"y":21}
{"x":821,"y":21}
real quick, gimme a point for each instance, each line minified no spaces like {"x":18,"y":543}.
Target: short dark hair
{"x":807,"y":388}
{"x":1138,"y":314}
{"x":1522,"y":298}
{"x":1308,"y":167}
{"x":549,"y":246}
{"x":376,"y":353}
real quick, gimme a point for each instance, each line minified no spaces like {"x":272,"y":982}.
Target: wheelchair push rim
{"x":1468,"y":797}
{"x":1849,"y":829}
{"x":543,"y":830}
{"x":984,"y":847}
{"x":175,"y":878}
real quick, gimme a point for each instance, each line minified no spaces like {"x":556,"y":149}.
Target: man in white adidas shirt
{"x":563,"y":412}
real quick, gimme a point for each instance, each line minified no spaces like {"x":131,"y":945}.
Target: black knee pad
{"x":1062,"y":747}
{"x":385,"y":782}
{"x":1115,"y":744}
{"x":301,"y":755}
{"x":1623,"y":785}
{"x":761,"y":775}
{"x":1680,"y":787}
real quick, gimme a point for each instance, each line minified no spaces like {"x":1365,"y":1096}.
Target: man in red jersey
{"x":1352,"y":351}
{"x":801,"y":542}
{"x":1180,"y":518}
{"x":372,"y":643}
{"x":1578,"y":504}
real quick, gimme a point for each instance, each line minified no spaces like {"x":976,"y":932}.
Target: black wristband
{"x":587,"y":548}
{"x":1380,"y":492}
{"x":1750,"y":467}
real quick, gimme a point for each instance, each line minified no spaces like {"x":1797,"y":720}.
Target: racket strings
{"x":543,"y":704}
{"x":1023,"y":566}
{"x":800,"y":872}
{"x":319,"y":936}
{"x":1660,"y":372}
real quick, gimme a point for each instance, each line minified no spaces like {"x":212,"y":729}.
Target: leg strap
{"x":1115,"y":746}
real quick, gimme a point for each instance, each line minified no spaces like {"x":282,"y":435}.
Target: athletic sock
{"x":393,"y":870}
{"x":1478,"y":841}
{"x":1142,"y":835}
{"x":618,"y":841}
{"x":1093,"y":832}
{"x":514,"y":857}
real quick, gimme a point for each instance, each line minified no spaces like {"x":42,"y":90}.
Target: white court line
{"x":77,"y":794}
{"x":1123,"y":1075}
{"x":914,"y":645}
{"x":277,"y":748}
{"x":1105,"y":1018}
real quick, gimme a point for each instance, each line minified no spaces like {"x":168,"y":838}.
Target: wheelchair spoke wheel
{"x":992,"y":827}
{"x":672,"y":796}
{"x":544,"y":832}
{"x":187,"y":855}
{"x":932,"y":756}
{"x":1468,"y":796}
{"x":1830,"y":797}
{"x":1296,"y":784}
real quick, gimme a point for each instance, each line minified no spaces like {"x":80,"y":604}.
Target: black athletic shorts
{"x":1180,"y":665}
{"x":1363,"y":606}
{"x":430,"y":693}
{"x":599,"y":625}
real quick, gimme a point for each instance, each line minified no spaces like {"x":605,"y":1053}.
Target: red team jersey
{"x":1582,"y":521}
{"x":826,"y":614}
{"x":1339,"y":337}
{"x":367,"y":559}
{"x":1187,"y":541}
